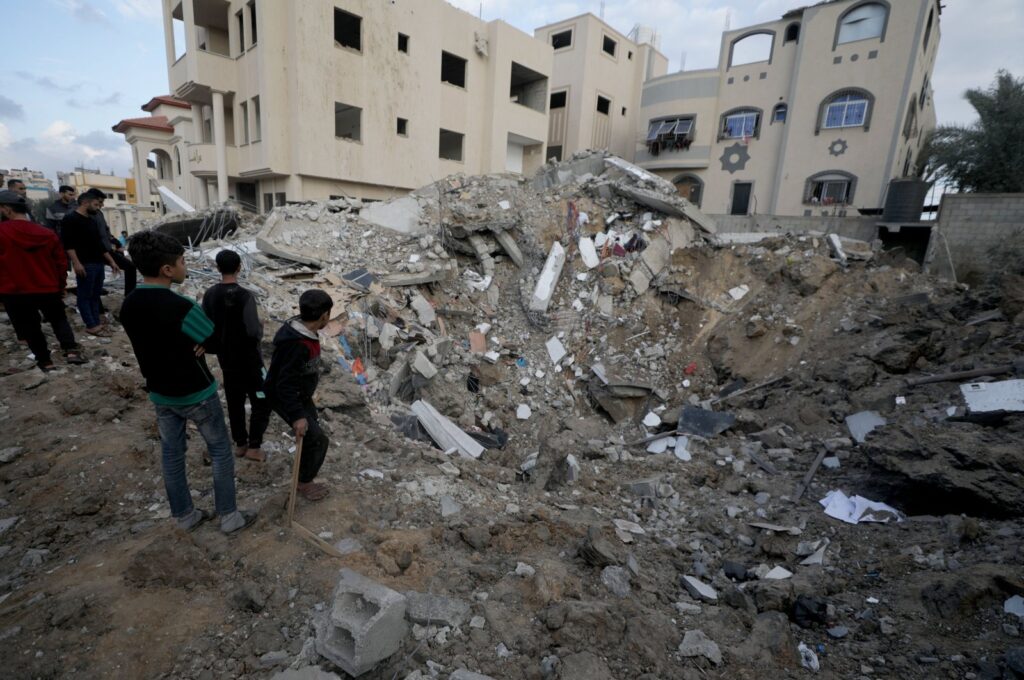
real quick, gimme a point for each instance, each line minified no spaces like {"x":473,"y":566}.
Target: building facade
{"x":39,"y":188}
{"x":119,"y":190}
{"x":279,"y":101}
{"x":809,"y":115}
{"x":596,"y":84}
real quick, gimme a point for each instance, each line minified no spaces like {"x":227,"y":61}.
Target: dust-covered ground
{"x":95,"y":582}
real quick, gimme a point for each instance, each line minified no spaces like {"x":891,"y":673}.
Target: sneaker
{"x":237,"y":521}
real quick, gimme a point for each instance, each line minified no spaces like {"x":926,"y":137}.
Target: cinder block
{"x":365,"y":625}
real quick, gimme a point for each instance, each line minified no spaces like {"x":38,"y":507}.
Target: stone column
{"x":168,"y":33}
{"x":220,"y":140}
{"x":141,"y":177}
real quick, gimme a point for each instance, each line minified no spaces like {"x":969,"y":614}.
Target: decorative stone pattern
{"x":735,"y":157}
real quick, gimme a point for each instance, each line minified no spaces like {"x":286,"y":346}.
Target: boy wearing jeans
{"x":167,"y":332}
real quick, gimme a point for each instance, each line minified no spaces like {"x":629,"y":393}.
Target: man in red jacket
{"x":33,"y":273}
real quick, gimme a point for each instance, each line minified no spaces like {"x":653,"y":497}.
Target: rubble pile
{"x":576,"y":433}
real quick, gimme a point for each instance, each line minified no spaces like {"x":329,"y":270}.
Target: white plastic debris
{"x":652,"y":420}
{"x":1007,"y":395}
{"x":808,"y":659}
{"x":523,"y":412}
{"x":857,"y":509}
{"x":739,"y":292}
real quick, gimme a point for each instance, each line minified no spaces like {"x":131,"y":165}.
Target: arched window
{"x":690,"y":187}
{"x":752,"y":48}
{"x":863,"y":22}
{"x":792,"y":33}
{"x":846,"y":109}
{"x":779,"y":113}
{"x":832,"y":187}
{"x":741,"y":124}
{"x":910,"y":124}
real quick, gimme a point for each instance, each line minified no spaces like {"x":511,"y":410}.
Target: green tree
{"x":988,"y":155}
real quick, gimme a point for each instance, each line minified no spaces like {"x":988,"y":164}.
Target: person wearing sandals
{"x":82,"y":240}
{"x":292,"y":379}
{"x":33,"y":275}
{"x":167,"y":332}
{"x":236,"y":342}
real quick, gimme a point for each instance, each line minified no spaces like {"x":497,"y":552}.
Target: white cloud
{"x":140,"y":9}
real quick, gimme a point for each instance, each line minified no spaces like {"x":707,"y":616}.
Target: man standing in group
{"x":292,"y":379}
{"x":116,"y":250}
{"x":84,"y":243}
{"x":32,"y":277}
{"x":167,"y":332}
{"x":18,"y":187}
{"x":62,"y":206}
{"x":236,"y":342}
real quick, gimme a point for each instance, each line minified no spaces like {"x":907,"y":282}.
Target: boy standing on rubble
{"x":236,"y":342}
{"x":292,"y":379}
{"x":167,"y":331}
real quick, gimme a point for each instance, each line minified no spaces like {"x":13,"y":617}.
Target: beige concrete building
{"x":119,"y":190}
{"x":38,"y":186}
{"x":812,"y":114}
{"x":596,"y":84}
{"x":281,"y":101}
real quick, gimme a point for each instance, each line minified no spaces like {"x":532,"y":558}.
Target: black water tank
{"x":904,"y":202}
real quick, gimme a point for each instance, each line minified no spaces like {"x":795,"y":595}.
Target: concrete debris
{"x":864,"y":423}
{"x":696,"y":643}
{"x":445,"y":432}
{"x":463,"y":674}
{"x":545,"y":289}
{"x":364,"y":625}
{"x":567,"y":541}
{"x":998,"y":397}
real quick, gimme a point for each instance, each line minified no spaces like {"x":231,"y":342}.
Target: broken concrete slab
{"x":640,"y":279}
{"x":588,"y":252}
{"x":698,"y":589}
{"x":510,"y":247}
{"x":657,"y":255}
{"x":673,"y":206}
{"x":463,"y":674}
{"x":548,"y":280}
{"x":426,"y":609}
{"x":638,"y":173}
{"x":446,"y":433}
{"x":422,"y":365}
{"x":836,"y":246}
{"x":697,"y":421}
{"x":556,"y":350}
{"x":431,"y":275}
{"x":864,"y":423}
{"x":696,"y":643}
{"x":401,"y":214}
{"x":364,"y":626}
{"x":424,"y":310}
{"x":1006,"y":396}
{"x":305,"y":673}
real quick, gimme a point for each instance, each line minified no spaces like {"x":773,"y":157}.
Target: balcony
{"x":198,"y":73}
{"x":203,"y":160}
{"x":668,"y":157}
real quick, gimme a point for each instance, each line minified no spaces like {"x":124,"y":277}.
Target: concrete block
{"x":545,"y":289}
{"x":864,"y":423}
{"x":401,"y":215}
{"x":424,"y":310}
{"x":365,"y":624}
{"x":421,"y":364}
{"x":657,"y":255}
{"x":589,"y":253}
{"x":439,"y":610}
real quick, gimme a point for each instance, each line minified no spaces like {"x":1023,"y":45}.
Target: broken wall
{"x":860,"y":228}
{"x":972,"y":225}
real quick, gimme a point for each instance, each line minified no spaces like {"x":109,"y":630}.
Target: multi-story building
{"x":274,"y":101}
{"x":39,"y":188}
{"x":596,"y":84}
{"x":119,"y":190}
{"x":814,"y":113}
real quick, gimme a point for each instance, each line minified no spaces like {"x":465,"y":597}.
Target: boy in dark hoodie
{"x":236,"y":342}
{"x":292,"y":379}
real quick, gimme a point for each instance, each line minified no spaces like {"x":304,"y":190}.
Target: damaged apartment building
{"x":811,"y":115}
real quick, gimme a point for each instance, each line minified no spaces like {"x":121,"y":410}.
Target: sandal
{"x":313,"y":491}
{"x":256,"y":455}
{"x":75,"y":357}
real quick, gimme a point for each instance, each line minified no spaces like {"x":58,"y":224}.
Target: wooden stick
{"x":961,"y":375}
{"x":749,"y":390}
{"x":295,"y":479}
{"x":316,"y":540}
{"x":810,"y":474}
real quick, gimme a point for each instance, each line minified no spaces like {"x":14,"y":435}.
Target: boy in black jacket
{"x":292,"y":379}
{"x":236,"y":342}
{"x":167,"y":331}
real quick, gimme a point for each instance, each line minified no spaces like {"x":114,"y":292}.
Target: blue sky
{"x":75,"y":68}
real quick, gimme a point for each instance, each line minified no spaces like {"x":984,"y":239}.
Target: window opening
{"x":604,"y":105}
{"x":403,"y":43}
{"x":609,"y":46}
{"x":348,"y":29}
{"x":862,"y":23}
{"x":453,"y":69}
{"x":559,"y":100}
{"x":348,"y":121}
{"x":451,"y":145}
{"x":561,"y":39}
{"x":741,"y":124}
{"x":849,"y":110}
